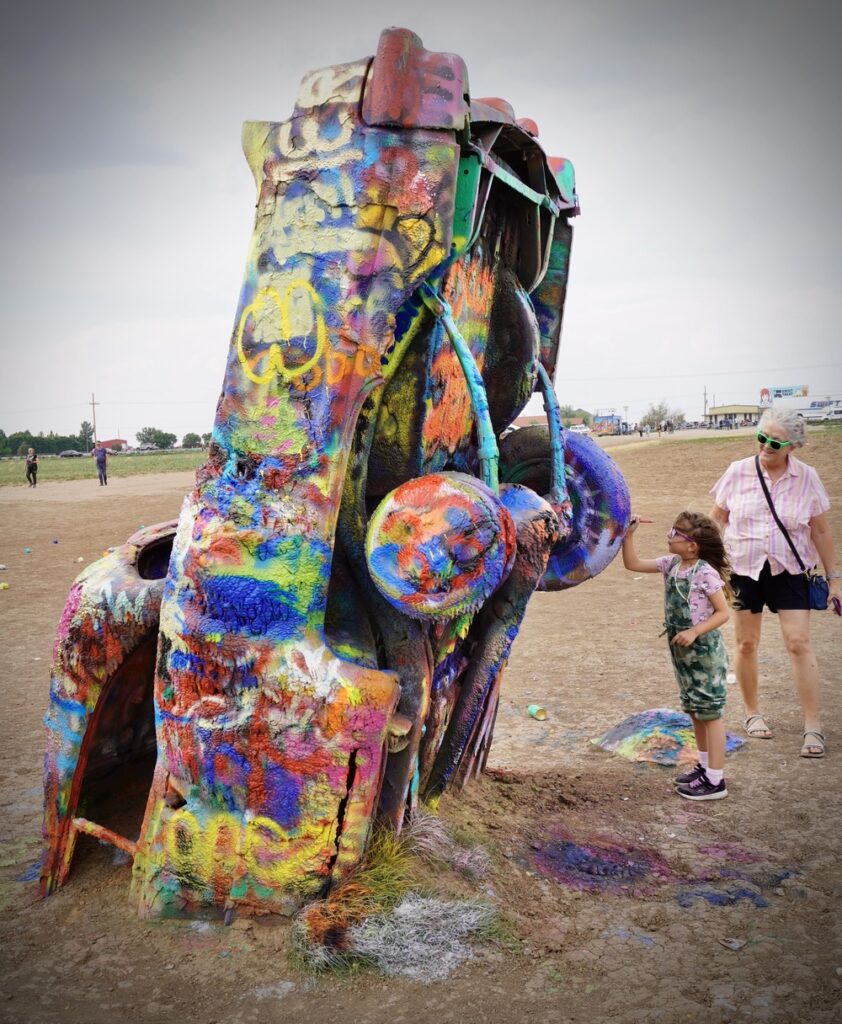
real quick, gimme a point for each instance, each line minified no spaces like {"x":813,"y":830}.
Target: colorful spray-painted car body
{"x":331,"y":617}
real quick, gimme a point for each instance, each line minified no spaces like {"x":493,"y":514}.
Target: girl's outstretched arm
{"x":631,"y":559}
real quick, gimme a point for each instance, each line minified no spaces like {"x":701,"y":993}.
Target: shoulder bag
{"x":816,"y":583}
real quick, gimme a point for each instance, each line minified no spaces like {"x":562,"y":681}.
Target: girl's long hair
{"x":707,"y":536}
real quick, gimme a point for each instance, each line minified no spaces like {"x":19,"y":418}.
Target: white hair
{"x":791,"y":421}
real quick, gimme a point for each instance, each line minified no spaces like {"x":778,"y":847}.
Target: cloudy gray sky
{"x":705,"y":137}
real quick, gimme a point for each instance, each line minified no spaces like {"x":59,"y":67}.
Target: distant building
{"x":115,"y":442}
{"x":531,"y":421}
{"x":732,"y":415}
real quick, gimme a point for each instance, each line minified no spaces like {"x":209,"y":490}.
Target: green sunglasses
{"x":773,"y":443}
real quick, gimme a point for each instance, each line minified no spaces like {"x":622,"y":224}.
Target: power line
{"x":46,"y":408}
{"x":157,"y":402}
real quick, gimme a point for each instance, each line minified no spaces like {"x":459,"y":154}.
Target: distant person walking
{"x":32,"y":467}
{"x":100,"y":455}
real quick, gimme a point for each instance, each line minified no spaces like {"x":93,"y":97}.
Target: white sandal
{"x":757,"y":732}
{"x":817,"y":749}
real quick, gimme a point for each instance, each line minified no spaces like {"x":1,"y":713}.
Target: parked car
{"x":579,"y":428}
{"x":147,"y":446}
{"x":71,"y":453}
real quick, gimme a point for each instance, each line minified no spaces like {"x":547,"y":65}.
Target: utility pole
{"x":706,"y":402}
{"x":94,"y":404}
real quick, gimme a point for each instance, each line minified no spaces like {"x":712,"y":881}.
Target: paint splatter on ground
{"x":660,"y":736}
{"x":634,"y":935}
{"x":728,"y":885}
{"x":732,"y":852}
{"x":31,"y":874}
{"x":612,"y":865}
{"x":599,"y":865}
{"x":725,"y":897}
{"x":738,"y":863}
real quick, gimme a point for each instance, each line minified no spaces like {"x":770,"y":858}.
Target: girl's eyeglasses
{"x":677,"y":533}
{"x":773,"y":442}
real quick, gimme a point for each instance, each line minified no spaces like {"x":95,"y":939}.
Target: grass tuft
{"x":380,"y":884}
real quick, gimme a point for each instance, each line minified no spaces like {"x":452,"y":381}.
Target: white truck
{"x":822,"y":412}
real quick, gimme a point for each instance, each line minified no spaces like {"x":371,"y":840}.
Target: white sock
{"x":715,"y":775}
{"x":703,"y":758}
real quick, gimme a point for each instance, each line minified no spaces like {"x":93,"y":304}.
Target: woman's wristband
{"x":833,"y":575}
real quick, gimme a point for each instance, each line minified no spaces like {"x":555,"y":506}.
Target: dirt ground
{"x":716,"y":912}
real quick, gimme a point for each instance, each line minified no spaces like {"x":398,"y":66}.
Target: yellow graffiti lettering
{"x":227,"y":848}
{"x":222,"y":841}
{"x":183,"y":837}
{"x":267,"y":847}
{"x":292,"y":316}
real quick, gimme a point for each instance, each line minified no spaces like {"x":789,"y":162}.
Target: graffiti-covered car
{"x":320,"y":638}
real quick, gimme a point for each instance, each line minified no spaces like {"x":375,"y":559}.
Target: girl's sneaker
{"x":701,"y":788}
{"x":690,"y":776}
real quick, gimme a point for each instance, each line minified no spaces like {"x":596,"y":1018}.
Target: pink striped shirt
{"x":752,"y":536}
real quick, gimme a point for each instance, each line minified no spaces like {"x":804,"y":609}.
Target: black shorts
{"x":787,"y":591}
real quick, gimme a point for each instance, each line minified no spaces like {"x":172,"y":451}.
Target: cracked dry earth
{"x":620,"y":902}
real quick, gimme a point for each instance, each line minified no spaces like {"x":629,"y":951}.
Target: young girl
{"x":696,"y":574}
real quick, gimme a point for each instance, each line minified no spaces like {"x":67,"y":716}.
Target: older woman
{"x":766,"y":572}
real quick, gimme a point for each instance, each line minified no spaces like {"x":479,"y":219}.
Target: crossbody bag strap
{"x":775,"y":514}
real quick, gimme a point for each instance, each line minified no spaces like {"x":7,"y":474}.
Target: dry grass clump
{"x":377,"y":886}
{"x":374,"y":918}
{"x":430,"y":839}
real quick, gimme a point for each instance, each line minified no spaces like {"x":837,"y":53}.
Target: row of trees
{"x":51,"y":444}
{"x":569,"y":414}
{"x":20,"y":441}
{"x":152,"y":435}
{"x":661,"y":413}
{"x":161,"y":439}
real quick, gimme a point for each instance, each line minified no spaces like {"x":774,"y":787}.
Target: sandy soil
{"x":726,"y":911}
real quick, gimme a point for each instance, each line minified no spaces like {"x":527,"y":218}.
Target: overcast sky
{"x":705,"y":137}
